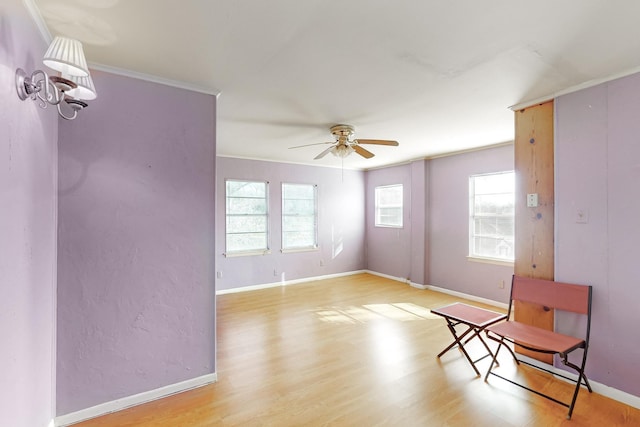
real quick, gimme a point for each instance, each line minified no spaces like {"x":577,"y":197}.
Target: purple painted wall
{"x":597,"y":172}
{"x":400,"y":252}
{"x":136,"y":242}
{"x":419,"y":217}
{"x":449,"y":225}
{"x":28,"y":168}
{"x":340,"y":230}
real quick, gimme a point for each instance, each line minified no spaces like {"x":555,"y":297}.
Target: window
{"x":388,"y":206}
{"x":491,"y":216}
{"x":247,"y":217}
{"x":299,"y":216}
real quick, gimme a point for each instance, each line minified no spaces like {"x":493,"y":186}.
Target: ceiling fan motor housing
{"x":342,"y":132}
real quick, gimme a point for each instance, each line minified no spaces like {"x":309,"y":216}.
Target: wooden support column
{"x":534,"y":226}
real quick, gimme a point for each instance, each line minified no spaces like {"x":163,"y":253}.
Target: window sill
{"x":294,"y":250}
{"x":494,"y":261}
{"x":247,"y":253}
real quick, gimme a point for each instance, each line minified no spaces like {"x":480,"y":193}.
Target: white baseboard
{"x":399,"y":279}
{"x":604,"y":390}
{"x":136,"y":399}
{"x":287,"y":282}
{"x":468,"y":296}
{"x":387,"y":276}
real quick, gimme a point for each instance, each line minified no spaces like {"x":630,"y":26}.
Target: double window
{"x":491,"y":216}
{"x":247,"y":217}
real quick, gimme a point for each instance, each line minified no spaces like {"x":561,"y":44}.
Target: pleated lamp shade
{"x":67,"y":56}
{"x":85,"y":90}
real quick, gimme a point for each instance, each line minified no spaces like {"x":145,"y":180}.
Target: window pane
{"x":246,"y":189}
{"x":298,"y":191}
{"x":246,"y":242}
{"x":298,"y":207}
{"x":298,"y":239}
{"x":241,"y":206}
{"x":245,"y":224}
{"x":298,"y":223}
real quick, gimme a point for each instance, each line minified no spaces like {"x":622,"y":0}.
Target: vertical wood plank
{"x":534,"y":226}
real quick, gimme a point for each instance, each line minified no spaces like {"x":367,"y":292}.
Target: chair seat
{"x":536,"y":337}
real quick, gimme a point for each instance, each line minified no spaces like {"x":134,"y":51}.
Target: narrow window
{"x":247,"y":230}
{"x":388,"y":206}
{"x":491,"y":216}
{"x":299,"y":216}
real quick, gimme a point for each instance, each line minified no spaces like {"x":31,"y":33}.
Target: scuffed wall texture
{"x":28,"y":167}
{"x":136,"y":242}
{"x":449,"y":225}
{"x":340,"y":229}
{"x":597,"y":173}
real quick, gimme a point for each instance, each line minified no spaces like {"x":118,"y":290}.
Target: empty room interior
{"x":257,"y":213}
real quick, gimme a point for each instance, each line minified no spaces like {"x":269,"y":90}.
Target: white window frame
{"x":228,"y":215}
{"x":378,"y":221}
{"x":506,"y":239}
{"x":314,"y":244}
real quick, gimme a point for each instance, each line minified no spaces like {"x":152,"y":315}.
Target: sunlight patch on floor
{"x":361,"y":314}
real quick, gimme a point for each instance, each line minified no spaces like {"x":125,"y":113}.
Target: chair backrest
{"x":562,"y":296}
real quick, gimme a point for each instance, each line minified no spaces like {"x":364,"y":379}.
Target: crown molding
{"x":575,"y":88}
{"x":33,"y":10}
{"x":154,"y":79}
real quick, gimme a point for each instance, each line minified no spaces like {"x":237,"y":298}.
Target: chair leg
{"x":494,"y":360}
{"x":581,"y":376}
{"x":512,"y":354}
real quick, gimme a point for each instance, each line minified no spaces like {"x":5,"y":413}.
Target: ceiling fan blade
{"x":324,"y":153}
{"x":377,"y":142}
{"x":364,"y":153}
{"x":309,"y":145}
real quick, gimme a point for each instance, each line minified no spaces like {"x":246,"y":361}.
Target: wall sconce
{"x":73,"y":86}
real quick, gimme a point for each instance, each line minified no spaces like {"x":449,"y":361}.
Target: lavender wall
{"x":136,"y":242}
{"x":400,"y":252}
{"x":28,"y":168}
{"x":449,"y":225}
{"x":597,"y":172}
{"x":340,"y":229}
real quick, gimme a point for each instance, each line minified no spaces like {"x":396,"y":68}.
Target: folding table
{"x":475,"y":318}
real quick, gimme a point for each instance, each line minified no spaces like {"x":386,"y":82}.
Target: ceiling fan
{"x":345,"y":144}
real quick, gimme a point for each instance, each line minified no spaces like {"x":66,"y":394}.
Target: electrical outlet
{"x":219,"y":274}
{"x":532,"y":200}
{"x":275,"y":272}
{"x":501,"y":284}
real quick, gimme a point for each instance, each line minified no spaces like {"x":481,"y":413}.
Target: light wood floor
{"x":356,"y":351}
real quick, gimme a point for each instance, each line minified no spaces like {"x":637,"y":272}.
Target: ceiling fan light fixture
{"x":342,"y":151}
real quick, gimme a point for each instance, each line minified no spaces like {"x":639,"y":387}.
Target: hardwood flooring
{"x":356,"y":351}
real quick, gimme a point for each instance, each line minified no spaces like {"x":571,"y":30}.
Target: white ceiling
{"x":437,"y":76}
